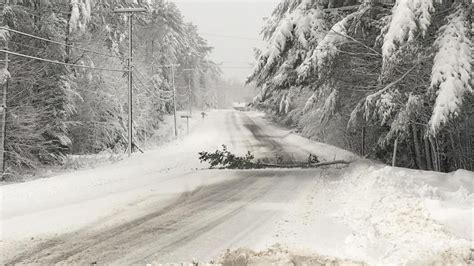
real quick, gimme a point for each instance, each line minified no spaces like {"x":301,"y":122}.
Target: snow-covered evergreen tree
{"x":407,"y":19}
{"x":55,"y":109}
{"x":379,"y":62}
{"x":451,"y":79}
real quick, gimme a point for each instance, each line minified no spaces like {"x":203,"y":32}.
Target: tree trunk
{"x":457,"y":155}
{"x":36,"y":5}
{"x":434,"y":154}
{"x":67,"y":40}
{"x":416,"y":146}
{"x":394,"y":158}
{"x":362,"y":150}
{"x":429,"y":162}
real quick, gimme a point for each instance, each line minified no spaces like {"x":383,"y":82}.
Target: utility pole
{"x":4,"y":99}
{"x":129,"y":12}
{"x":172,"y":66}
{"x":189,"y":94}
{"x":174,"y":101}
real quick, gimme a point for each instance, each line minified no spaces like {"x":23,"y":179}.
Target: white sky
{"x":232,"y":27}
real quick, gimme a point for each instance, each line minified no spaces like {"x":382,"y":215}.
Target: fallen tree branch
{"x":224,"y":159}
{"x":331,"y":163}
{"x":300,"y":165}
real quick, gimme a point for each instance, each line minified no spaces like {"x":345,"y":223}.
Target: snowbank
{"x":70,"y":201}
{"x":385,"y":215}
{"x":278,"y":255}
{"x":399,"y":215}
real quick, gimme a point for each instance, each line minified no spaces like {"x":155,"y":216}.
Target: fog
{"x":232,"y":28}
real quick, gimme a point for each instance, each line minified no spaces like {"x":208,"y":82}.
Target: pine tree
{"x":57,"y":110}
{"x":379,"y":66}
{"x":451,"y":79}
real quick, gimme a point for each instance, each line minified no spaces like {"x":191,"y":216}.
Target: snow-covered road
{"x":163,"y":206}
{"x":135,"y":210}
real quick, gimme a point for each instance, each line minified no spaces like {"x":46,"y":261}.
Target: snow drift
{"x":384,"y":215}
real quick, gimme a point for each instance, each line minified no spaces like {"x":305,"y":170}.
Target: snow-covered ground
{"x":134,"y":211}
{"x":384,"y":215}
{"x":67,"y":202}
{"x":163,"y":135}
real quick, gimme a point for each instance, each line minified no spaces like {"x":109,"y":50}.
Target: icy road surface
{"x":164,"y":207}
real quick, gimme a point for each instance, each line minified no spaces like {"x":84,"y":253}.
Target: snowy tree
{"x":294,"y":23}
{"x":407,"y":19}
{"x":80,"y":15}
{"x":327,"y":47}
{"x":451,"y":74}
{"x":56,"y":110}
{"x":378,"y":62}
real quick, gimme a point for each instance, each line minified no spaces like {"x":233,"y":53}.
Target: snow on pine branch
{"x":4,"y":35}
{"x":329,"y":106}
{"x":309,"y":24}
{"x":281,"y":107}
{"x":355,"y":114}
{"x":303,"y":25}
{"x":327,"y":48}
{"x":278,"y":41}
{"x":451,"y":73}
{"x":80,"y":15}
{"x":310,"y":103}
{"x":400,"y":124}
{"x":408,"y":18}
{"x":4,"y":75}
{"x":284,"y":106}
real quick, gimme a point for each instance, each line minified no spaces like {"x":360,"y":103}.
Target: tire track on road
{"x":107,"y":245}
{"x":163,"y":231}
{"x":274,"y":143}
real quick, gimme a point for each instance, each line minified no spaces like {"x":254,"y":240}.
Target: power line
{"x":60,"y":43}
{"x":61,"y":63}
{"x":215,"y":35}
{"x":27,"y":46}
{"x":185,"y":94}
{"x":147,"y":89}
{"x":149,"y":82}
{"x":237,"y":67}
{"x":231,"y":37}
{"x":237,"y":62}
{"x":140,"y":73}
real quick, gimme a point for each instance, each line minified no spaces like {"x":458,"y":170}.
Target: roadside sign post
{"x":187,"y":121}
